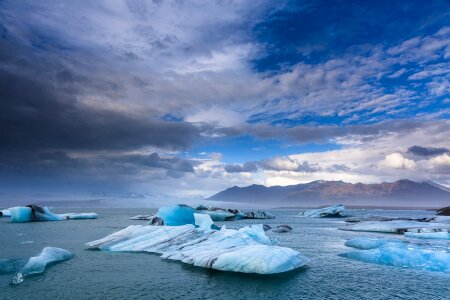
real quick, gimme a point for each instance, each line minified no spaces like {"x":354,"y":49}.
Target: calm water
{"x":100,"y":275}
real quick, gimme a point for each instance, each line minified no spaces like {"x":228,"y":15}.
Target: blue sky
{"x":193,"y":97}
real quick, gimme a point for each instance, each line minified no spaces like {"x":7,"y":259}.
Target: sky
{"x":192,"y":97}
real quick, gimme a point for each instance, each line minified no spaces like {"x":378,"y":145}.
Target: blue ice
{"x":401,"y":254}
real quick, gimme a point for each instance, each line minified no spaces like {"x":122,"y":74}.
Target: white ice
{"x":6,"y":213}
{"x":204,"y":222}
{"x":37,"y":264}
{"x":79,"y":216}
{"x":247,"y":250}
{"x":331,"y":211}
{"x":402,"y":254}
{"x":396,"y":226}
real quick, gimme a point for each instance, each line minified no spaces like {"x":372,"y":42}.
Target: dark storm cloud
{"x":35,"y":116}
{"x":426,"y":151}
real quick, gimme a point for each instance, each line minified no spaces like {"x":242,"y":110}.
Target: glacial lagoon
{"x":112,"y":275}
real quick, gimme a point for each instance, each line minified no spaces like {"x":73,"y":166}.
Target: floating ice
{"x":401,"y":254}
{"x":396,"y":226}
{"x":258,"y":215}
{"x":282,"y":228}
{"x":5,"y":213}
{"x":176,"y":215}
{"x":204,"y":222}
{"x":79,"y":216}
{"x":222,"y":214}
{"x":247,"y":250}
{"x":326,"y":212}
{"x":33,"y":213}
{"x":218,"y":214}
{"x":142,"y":217}
{"x":429,"y":233}
{"x":368,"y":243}
{"x":35,"y":264}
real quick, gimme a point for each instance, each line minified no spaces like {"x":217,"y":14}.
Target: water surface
{"x":100,"y":275}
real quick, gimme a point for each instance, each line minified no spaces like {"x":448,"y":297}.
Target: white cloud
{"x":397,"y":161}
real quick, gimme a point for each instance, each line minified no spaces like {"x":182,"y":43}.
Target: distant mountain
{"x":401,"y":193}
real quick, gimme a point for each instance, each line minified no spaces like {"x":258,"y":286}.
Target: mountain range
{"x":401,"y":193}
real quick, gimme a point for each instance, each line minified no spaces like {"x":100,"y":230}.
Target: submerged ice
{"x":247,"y":250}
{"x":326,"y":212}
{"x":35,"y":264}
{"x":400,"y":254}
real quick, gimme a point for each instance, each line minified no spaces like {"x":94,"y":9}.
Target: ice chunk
{"x":31,"y":213}
{"x":326,"y":212}
{"x":79,"y":216}
{"x":396,"y":226}
{"x":218,"y":214}
{"x":35,"y":264}
{"x":368,"y":243}
{"x":246,"y":250}
{"x":429,"y":233}
{"x":258,"y":215}
{"x":204,"y":222}
{"x":5,"y":213}
{"x":20,"y":214}
{"x":266,"y":227}
{"x":176,"y":215}
{"x":142,"y":217}
{"x":402,"y":254}
{"x":282,"y":228}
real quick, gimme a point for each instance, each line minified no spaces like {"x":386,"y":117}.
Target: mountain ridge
{"x":402,"y":192}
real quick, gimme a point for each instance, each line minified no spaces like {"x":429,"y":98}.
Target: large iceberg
{"x":326,"y":212}
{"x":400,"y":254}
{"x":429,"y":233}
{"x":35,"y":264}
{"x":31,"y":213}
{"x":247,"y":250}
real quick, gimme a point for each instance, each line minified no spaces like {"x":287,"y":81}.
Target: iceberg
{"x":32,"y":213}
{"x":400,"y":254}
{"x":246,"y":250}
{"x":326,"y":212}
{"x":35,"y":264}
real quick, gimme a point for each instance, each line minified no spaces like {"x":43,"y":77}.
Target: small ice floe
{"x":35,"y":264}
{"x":429,"y":233}
{"x":5,"y":213}
{"x":142,"y":217}
{"x":396,"y":226}
{"x":258,"y":215}
{"x":246,"y":250}
{"x":399,"y":253}
{"x":326,"y":212}
{"x":282,"y":228}
{"x":32,"y":213}
{"x":27,"y":242}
